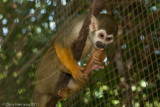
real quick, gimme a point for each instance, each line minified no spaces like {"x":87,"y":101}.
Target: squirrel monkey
{"x":59,"y":57}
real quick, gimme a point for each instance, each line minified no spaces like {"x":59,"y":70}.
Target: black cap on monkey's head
{"x":108,"y":23}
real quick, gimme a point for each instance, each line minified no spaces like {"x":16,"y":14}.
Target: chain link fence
{"x":131,"y":77}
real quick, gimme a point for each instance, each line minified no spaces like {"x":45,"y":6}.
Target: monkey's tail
{"x":53,"y":101}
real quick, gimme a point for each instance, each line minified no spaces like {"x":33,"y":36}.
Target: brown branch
{"x":78,"y":46}
{"x":123,"y":71}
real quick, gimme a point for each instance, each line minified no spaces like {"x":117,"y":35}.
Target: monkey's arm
{"x":66,"y":57}
{"x":94,"y":61}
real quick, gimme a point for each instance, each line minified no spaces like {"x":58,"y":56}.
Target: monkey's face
{"x":102,"y":30}
{"x":101,"y":39}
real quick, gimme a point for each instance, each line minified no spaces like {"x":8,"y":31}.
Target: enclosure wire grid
{"x":131,"y":77}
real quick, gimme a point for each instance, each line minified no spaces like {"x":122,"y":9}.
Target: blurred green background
{"x":132,"y":71}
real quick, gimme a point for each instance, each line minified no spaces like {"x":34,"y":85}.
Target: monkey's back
{"x":49,"y":72}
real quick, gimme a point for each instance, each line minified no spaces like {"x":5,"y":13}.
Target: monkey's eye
{"x":108,"y":39}
{"x":101,"y":36}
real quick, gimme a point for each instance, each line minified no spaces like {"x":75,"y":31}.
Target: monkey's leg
{"x":66,"y":92}
{"x":44,"y":100}
{"x":41,"y":99}
{"x":72,"y":87}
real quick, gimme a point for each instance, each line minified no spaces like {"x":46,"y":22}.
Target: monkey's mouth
{"x":100,"y":44}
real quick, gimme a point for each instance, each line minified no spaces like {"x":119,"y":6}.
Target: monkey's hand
{"x":77,"y":74}
{"x":94,"y":62}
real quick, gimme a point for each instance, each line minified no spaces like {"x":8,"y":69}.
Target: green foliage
{"x":28,"y":26}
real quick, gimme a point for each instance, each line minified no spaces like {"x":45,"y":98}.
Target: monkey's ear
{"x":94,"y":24}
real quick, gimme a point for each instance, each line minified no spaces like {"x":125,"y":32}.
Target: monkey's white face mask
{"x":99,"y":37}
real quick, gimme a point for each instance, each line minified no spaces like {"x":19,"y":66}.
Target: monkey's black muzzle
{"x":100,"y":44}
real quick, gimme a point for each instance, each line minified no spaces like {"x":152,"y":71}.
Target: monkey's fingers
{"x":60,"y":93}
{"x":92,"y":67}
{"x":64,"y":92}
{"x":95,"y":59}
{"x":96,"y":67}
{"x":100,"y":50}
{"x":97,"y":62}
{"x":78,"y":75}
{"x":97,"y":52}
{"x":81,"y":68}
{"x":96,"y":55}
{"x":100,"y":67}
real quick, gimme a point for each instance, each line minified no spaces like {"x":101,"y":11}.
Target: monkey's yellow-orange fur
{"x":66,"y":57}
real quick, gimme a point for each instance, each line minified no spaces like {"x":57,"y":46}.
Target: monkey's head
{"x":103,"y":29}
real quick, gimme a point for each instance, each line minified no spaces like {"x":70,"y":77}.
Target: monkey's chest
{"x":87,"y":49}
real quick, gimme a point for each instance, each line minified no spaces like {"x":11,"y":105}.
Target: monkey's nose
{"x":100,"y":44}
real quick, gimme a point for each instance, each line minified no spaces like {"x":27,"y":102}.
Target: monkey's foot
{"x":64,"y":93}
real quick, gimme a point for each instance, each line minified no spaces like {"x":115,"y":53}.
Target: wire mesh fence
{"x":132,"y":71}
{"x":131,"y":75}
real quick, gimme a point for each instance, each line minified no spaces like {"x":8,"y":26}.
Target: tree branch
{"x":78,"y":46}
